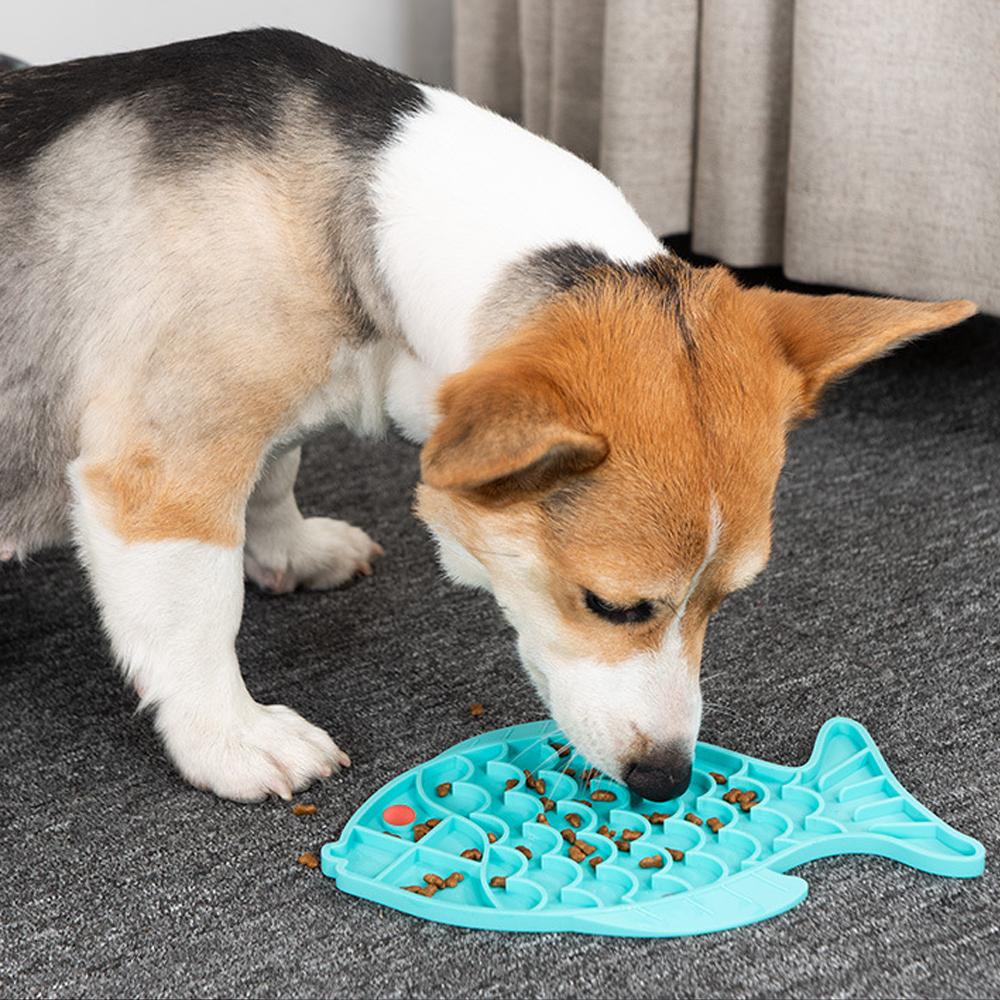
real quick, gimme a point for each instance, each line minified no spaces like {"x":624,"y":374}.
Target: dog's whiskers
{"x":530,"y":746}
{"x":490,"y":552}
{"x":460,"y":549}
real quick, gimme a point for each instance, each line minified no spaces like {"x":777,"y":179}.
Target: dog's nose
{"x":660,"y":775}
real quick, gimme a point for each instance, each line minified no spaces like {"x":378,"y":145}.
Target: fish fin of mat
{"x":866,"y":810}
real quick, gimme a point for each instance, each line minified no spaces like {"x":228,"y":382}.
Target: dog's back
{"x":93,"y":216}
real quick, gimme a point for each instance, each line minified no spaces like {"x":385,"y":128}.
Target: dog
{"x":211,"y":250}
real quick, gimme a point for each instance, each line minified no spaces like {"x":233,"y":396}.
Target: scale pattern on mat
{"x":515,"y":788}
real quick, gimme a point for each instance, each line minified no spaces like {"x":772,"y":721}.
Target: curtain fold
{"x":745,"y":63}
{"x":856,"y":143}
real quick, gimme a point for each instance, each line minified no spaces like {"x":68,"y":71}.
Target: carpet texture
{"x":882,"y":602}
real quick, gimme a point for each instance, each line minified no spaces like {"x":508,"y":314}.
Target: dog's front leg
{"x":171,"y":606}
{"x":285,"y":550}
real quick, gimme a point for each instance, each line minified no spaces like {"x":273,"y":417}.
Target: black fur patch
{"x":568,"y":265}
{"x":572,"y":264}
{"x":560,"y":503}
{"x":221,"y":90}
{"x":672,"y":276}
{"x":362,"y":327}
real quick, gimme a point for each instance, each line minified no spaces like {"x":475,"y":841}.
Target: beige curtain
{"x":855,"y":141}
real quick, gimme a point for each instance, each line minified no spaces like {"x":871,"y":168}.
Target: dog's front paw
{"x":264,"y":750}
{"x":325,"y":553}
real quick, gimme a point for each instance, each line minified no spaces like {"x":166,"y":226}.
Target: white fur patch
{"x":171,"y":610}
{"x":410,"y":400}
{"x":459,"y":564}
{"x":602,"y":707}
{"x":746,"y":568}
{"x":460,"y":195}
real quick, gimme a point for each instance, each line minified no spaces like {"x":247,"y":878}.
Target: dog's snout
{"x":661,"y":775}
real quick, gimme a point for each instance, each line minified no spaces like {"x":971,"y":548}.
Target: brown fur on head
{"x":626,"y":445}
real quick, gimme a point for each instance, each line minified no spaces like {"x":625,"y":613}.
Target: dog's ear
{"x":504,"y":433}
{"x":826,"y":336}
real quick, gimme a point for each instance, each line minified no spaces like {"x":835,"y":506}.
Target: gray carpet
{"x":882,"y":603}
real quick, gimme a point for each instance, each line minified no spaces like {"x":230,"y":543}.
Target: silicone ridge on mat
{"x":843,"y":800}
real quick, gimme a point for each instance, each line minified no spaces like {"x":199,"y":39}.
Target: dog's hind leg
{"x":285,"y":550}
{"x":163,"y":543}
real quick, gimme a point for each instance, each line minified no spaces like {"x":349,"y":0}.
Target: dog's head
{"x":608,"y":473}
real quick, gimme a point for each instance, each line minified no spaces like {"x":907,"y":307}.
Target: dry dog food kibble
{"x":473,"y":854}
{"x":570,"y":771}
{"x":588,"y":774}
{"x":747,"y":798}
{"x":535,"y":784}
{"x":603,"y":795}
{"x":624,"y":846}
{"x":605,"y":832}
{"x":715,"y":824}
{"x":491,"y":837}
{"x":676,"y":855}
{"x":631,"y":834}
{"x":691,"y":818}
{"x":509,"y":784}
{"x":308,"y":859}
{"x":547,"y":804}
{"x":435,"y":882}
{"x":569,"y":836}
{"x":576,"y":854}
{"x":574,"y":819}
{"x":587,"y":849}
{"x":476,"y":710}
{"x":561,"y":749}
{"x":433,"y":822}
{"x":656,"y":818}
{"x":526,"y":851}
{"x":421,"y":830}
{"x":719,"y":779}
{"x":594,"y":862}
{"x":540,"y":818}
{"x":653,"y":861}
{"x":498,"y":882}
{"x":303,"y":809}
{"x":421,"y":890}
{"x":443,"y":789}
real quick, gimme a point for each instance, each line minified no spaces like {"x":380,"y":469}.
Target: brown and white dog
{"x":210,"y":250}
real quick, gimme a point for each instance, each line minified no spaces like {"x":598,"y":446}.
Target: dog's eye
{"x":631,"y":615}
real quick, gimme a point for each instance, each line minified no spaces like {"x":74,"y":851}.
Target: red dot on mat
{"x":399,"y":815}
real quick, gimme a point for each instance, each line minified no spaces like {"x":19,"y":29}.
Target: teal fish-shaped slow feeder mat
{"x":510,"y":795}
